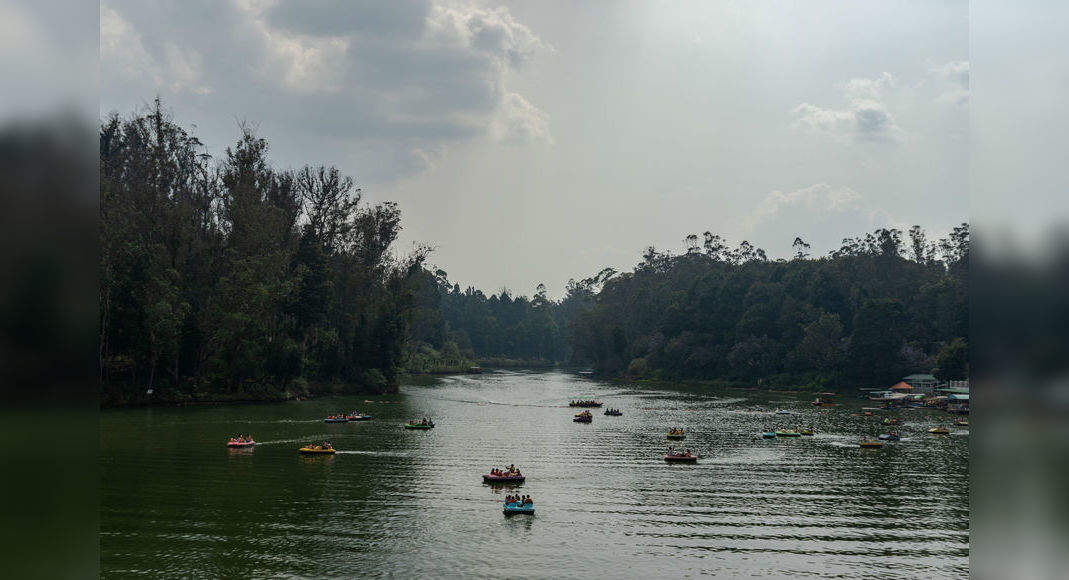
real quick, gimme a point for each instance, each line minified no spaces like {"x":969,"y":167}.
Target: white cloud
{"x":518,"y":121}
{"x":864,"y":117}
{"x":820,"y":213}
{"x":122,"y":50}
{"x":952,"y":82}
{"x":390,"y":86}
{"x":493,"y":32}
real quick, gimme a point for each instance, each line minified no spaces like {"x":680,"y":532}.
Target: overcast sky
{"x":539,"y":141}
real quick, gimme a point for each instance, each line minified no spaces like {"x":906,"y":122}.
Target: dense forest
{"x":867,"y":314}
{"x":452,"y":325}
{"x":229,"y":279}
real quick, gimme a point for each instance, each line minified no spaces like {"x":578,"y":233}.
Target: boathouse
{"x":921,"y":383}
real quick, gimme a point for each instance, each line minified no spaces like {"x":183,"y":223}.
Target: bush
{"x":374,"y":379}
{"x":638,"y":367}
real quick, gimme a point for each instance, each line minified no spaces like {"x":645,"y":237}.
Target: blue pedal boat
{"x":515,"y":508}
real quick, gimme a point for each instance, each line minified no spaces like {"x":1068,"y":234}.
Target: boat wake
{"x":304,"y":440}
{"x":375,"y":453}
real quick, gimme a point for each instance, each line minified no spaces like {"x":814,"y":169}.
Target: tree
{"x":918,"y":246}
{"x":876,"y":342}
{"x":859,"y":317}
{"x":821,"y":346}
{"x":209,"y":288}
{"x":952,"y":361}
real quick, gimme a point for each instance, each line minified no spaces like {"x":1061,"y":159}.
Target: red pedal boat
{"x":487,"y":478}
{"x":672,"y":458}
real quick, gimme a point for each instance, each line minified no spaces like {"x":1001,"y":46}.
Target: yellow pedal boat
{"x":316,"y":450}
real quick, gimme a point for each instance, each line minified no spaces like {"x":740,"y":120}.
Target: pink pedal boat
{"x":487,"y":478}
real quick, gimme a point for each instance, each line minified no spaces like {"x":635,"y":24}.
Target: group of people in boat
{"x":612,"y":411}
{"x":586,"y":403}
{"x":324,"y":446}
{"x":676,"y":431}
{"x":241,"y":439}
{"x":510,"y":471}
{"x":684,"y":453}
{"x":520,"y":500}
{"x":424,"y":421}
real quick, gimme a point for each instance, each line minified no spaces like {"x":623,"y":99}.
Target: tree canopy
{"x":232,"y":278}
{"x":866,"y":314}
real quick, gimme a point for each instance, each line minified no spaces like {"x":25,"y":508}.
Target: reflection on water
{"x":177,"y":502}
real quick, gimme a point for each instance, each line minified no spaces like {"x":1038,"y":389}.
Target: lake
{"x":177,"y":503}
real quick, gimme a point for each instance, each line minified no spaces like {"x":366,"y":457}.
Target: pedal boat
{"x":681,"y":458}
{"x":315,"y":450}
{"x":515,"y":508}
{"x":487,"y":478}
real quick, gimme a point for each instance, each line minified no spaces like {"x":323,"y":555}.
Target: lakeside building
{"x":957,"y":394}
{"x":922,"y":382}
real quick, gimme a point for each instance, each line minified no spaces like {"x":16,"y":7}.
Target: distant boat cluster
{"x":524,"y":504}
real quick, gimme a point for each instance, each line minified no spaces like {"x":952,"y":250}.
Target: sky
{"x":533,"y":142}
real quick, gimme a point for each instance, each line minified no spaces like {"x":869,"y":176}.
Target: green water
{"x":178,"y":503}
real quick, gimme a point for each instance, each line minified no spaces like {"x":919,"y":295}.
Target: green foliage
{"x":638,"y":367}
{"x":228,"y":279}
{"x":862,"y":316}
{"x":952,"y":361}
{"x":480,"y":327}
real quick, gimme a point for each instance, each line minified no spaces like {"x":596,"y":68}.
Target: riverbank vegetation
{"x":868,"y":313}
{"x":230,"y":279}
